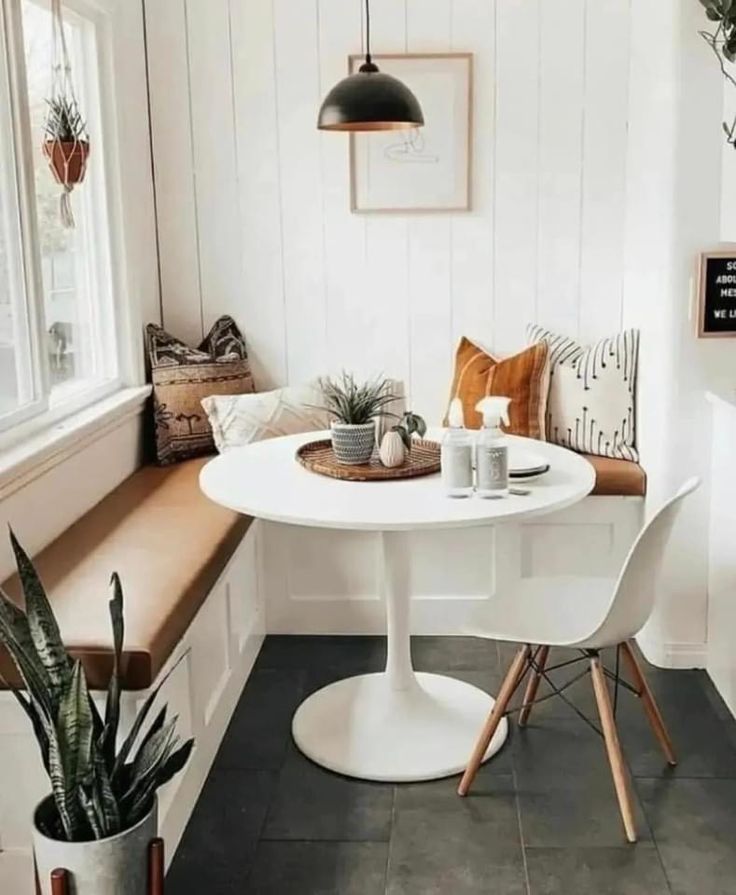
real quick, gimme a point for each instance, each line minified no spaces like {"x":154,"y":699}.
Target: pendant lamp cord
{"x":367,"y":31}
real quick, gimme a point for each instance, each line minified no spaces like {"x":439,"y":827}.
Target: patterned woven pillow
{"x":592,"y":393}
{"x":182,"y":376}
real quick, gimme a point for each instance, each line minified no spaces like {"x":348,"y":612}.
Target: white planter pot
{"x":114,"y":866}
{"x":393,"y":450}
{"x":353,"y":444}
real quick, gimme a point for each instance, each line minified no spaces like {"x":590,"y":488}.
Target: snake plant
{"x":100,"y":787}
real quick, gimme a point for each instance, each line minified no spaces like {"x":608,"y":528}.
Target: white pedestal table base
{"x":362,"y":727}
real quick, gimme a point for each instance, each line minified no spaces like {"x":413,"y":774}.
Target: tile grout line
{"x":390,"y":840}
{"x":520,"y":823}
{"x":653,"y":835}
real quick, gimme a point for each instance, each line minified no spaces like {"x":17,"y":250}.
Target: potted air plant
{"x":101,"y":815}
{"x":66,"y":145}
{"x":354,"y":408}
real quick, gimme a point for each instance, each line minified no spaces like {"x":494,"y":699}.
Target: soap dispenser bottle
{"x":492,"y":453}
{"x":457,"y":454}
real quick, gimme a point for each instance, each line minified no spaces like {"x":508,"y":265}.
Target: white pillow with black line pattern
{"x":592,"y":393}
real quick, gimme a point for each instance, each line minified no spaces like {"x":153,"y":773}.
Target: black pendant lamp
{"x":369,"y":100}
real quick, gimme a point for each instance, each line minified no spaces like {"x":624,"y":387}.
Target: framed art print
{"x":426,"y":168}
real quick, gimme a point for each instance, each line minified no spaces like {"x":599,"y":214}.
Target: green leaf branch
{"x":722,"y":42}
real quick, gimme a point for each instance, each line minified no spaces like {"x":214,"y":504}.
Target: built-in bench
{"x":168,"y":543}
{"x":617,"y":478}
{"x":189,"y":570}
{"x":330,"y":582}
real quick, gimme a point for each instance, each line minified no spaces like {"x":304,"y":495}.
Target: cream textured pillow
{"x":592,"y":393}
{"x":241,"y":419}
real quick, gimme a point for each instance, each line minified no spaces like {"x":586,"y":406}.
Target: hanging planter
{"x":66,"y":140}
{"x":66,"y":145}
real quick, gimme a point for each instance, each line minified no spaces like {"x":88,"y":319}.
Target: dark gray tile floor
{"x":542,"y":818}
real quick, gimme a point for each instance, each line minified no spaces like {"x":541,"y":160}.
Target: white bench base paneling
{"x":215,"y":658}
{"x":328,"y":582}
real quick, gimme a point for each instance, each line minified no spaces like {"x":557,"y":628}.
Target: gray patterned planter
{"x":353,"y":444}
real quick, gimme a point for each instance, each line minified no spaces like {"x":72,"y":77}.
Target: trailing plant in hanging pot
{"x":66,"y":140}
{"x":355,"y":407}
{"x":722,"y":41}
{"x":101,"y":815}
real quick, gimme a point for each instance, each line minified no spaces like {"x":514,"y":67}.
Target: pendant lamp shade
{"x":369,"y":100}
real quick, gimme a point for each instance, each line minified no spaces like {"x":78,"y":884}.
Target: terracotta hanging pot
{"x":68,"y":161}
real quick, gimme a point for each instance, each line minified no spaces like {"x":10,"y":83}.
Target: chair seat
{"x":563,"y":611}
{"x":168,"y":543}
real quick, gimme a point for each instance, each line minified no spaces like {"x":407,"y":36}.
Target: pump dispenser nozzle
{"x":495,"y":410}
{"x":455,"y":416}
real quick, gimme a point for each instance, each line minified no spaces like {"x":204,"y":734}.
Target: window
{"x":58,"y":345}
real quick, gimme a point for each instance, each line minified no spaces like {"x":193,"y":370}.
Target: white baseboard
{"x":674,"y":655}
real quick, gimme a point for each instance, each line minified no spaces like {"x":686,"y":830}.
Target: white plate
{"x":523,"y":461}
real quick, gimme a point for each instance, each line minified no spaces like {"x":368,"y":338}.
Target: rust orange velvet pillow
{"x":524,"y":378}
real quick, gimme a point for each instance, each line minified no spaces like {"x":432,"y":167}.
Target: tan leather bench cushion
{"x":169,"y":544}
{"x":618,"y":477}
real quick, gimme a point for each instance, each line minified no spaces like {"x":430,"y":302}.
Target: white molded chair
{"x":589,"y":615}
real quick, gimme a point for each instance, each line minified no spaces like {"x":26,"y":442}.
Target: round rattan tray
{"x":318,"y":457}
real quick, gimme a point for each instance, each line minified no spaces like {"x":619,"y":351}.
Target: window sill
{"x":23,"y":462}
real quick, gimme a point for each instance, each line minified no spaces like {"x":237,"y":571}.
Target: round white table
{"x":397,"y":725}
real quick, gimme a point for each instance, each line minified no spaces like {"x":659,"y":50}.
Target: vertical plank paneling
{"x":517,"y":151}
{"x":384,"y":320}
{"x":560,"y":159}
{"x":473,"y":30}
{"x":344,"y":233}
{"x":604,"y":168}
{"x":215,"y":163}
{"x":298,"y":93}
{"x":168,"y":84}
{"x":254,"y":203}
{"x":259,"y":190}
{"x":429,"y":30}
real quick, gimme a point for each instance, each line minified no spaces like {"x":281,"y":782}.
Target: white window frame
{"x":124,"y":334}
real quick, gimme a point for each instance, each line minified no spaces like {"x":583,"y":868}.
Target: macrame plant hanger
{"x":66,"y":140}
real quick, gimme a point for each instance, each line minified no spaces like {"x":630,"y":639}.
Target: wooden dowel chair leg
{"x":156,"y":867}
{"x":530,"y":694}
{"x":512,"y":680}
{"x":59,"y":882}
{"x":650,"y":706}
{"x":613,"y":748}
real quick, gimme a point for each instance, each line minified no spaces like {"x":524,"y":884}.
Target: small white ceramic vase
{"x":392,"y":452}
{"x":117,"y":865}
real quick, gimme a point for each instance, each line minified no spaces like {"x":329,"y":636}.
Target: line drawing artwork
{"x":410,"y":149}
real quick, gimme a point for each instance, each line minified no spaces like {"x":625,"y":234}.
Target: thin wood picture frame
{"x":704,"y":259}
{"x":463,"y":199}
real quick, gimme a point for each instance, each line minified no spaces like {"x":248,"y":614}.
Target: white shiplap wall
{"x":253,"y":201}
